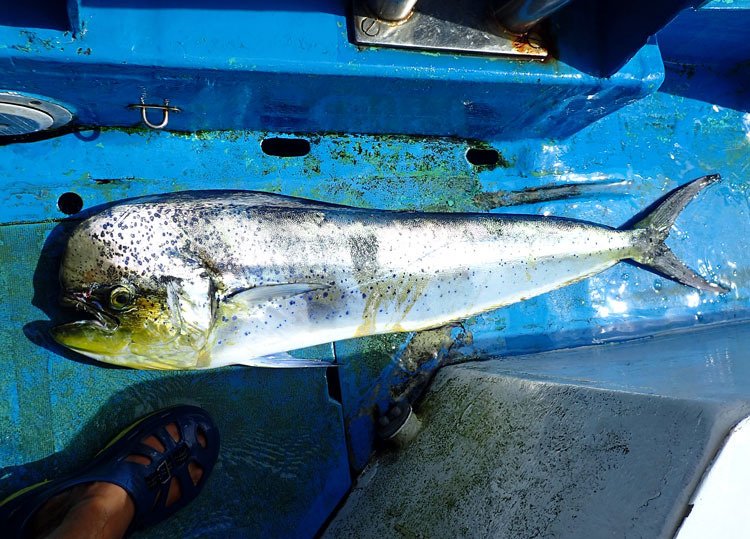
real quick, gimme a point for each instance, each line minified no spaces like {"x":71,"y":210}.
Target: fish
{"x":205,"y":279}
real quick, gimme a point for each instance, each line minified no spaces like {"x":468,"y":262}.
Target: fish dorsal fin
{"x":260,"y":294}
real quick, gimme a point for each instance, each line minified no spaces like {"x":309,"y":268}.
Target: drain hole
{"x":285,"y":147}
{"x":35,"y":102}
{"x":70,"y":203}
{"x":480,"y":157}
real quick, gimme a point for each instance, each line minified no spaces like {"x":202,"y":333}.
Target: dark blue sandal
{"x":148,"y":485}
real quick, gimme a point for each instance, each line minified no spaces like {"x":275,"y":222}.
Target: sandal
{"x":122,"y":462}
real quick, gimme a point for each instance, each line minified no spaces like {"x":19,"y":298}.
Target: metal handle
{"x":165,"y":108}
{"x":392,"y":10}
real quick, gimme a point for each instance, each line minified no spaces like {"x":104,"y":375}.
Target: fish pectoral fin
{"x":260,"y":294}
{"x":281,"y":360}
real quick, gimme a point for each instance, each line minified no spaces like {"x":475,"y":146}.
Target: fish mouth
{"x":81,"y":302}
{"x":97,"y":337}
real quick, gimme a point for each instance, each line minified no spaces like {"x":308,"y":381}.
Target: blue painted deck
{"x":289,"y":444}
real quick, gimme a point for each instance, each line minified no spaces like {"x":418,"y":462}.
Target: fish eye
{"x":120,"y":297}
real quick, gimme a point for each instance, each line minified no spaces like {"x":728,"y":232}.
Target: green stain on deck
{"x":137,"y":129}
{"x":214,"y":135}
{"x":405,"y":172}
{"x":32,"y":42}
{"x":393,"y":170}
{"x":425,"y":346}
{"x":312,"y":164}
{"x":373,"y":354}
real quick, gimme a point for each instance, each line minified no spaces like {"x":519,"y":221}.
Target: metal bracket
{"x":165,"y":108}
{"x":464,"y":26}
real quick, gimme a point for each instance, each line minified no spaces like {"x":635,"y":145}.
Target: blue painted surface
{"x":656,"y":144}
{"x":57,"y":408}
{"x":192,"y":53}
{"x":600,"y":37}
{"x":654,"y":148}
{"x":710,"y":36}
{"x":707,"y":364}
{"x":408,"y":173}
{"x":712,"y":65}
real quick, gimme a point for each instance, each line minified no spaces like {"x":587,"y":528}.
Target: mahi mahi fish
{"x":203,"y":279}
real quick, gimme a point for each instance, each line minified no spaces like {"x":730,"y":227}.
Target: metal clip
{"x":165,"y":108}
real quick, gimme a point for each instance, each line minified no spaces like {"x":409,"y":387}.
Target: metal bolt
{"x":534,"y":39}
{"x":370,"y":26}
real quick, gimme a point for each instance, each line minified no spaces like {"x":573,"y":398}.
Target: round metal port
{"x":23,"y":115}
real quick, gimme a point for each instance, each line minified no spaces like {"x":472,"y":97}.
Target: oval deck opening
{"x":285,"y":147}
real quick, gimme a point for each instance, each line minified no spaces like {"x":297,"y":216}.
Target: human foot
{"x":146,"y":474}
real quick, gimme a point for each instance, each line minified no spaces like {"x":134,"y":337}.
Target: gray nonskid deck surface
{"x":605,"y":441}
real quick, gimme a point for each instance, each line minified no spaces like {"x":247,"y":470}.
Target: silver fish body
{"x":245,"y":275}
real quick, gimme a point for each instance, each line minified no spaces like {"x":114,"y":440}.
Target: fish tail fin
{"x":652,"y":230}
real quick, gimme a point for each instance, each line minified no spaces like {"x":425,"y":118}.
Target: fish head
{"x":140,"y":305}
{"x":128,"y":327}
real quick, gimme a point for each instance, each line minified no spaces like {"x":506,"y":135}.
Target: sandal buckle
{"x":163,"y":472}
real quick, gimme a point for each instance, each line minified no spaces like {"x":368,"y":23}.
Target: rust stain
{"x":522,"y":45}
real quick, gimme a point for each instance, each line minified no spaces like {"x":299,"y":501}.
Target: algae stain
{"x":425,"y":346}
{"x":138,"y":129}
{"x":420,"y":170}
{"x":33,"y":42}
{"x":374,"y":353}
{"x":311,"y":164}
{"x":340,"y":191}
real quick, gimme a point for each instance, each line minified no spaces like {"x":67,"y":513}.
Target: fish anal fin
{"x":282,"y":360}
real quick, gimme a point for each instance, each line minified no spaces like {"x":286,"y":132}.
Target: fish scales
{"x":213,"y":278}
